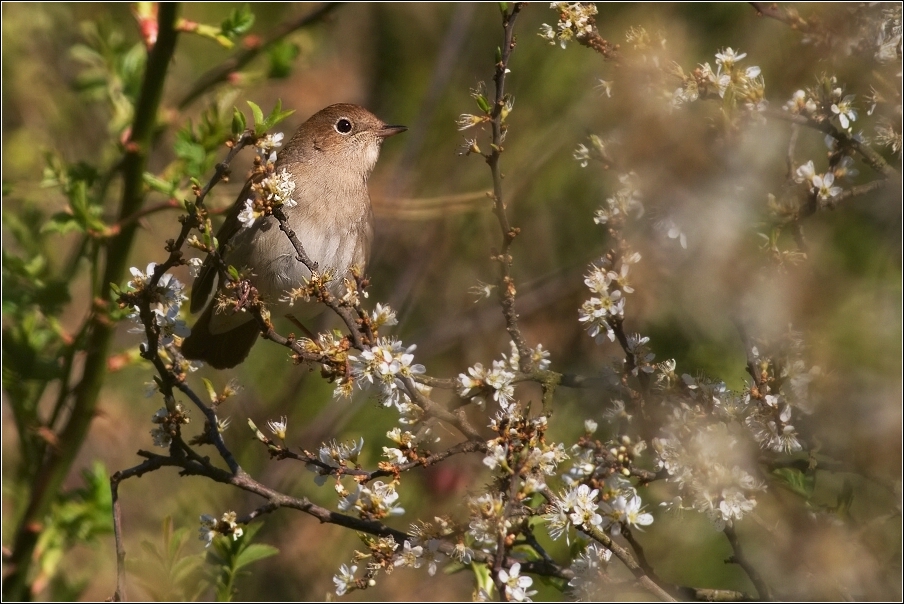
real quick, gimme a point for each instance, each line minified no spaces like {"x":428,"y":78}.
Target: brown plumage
{"x":329,"y":159}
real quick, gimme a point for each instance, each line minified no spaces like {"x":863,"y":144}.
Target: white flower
{"x":208,"y":529}
{"x":582,"y":502}
{"x":623,"y":510}
{"x":345,"y":580}
{"x":495,"y":455}
{"x":194,"y":266}
{"x":385,"y":364}
{"x":383,"y":315}
{"x":374,"y":501}
{"x":845,"y":111}
{"x":337,"y":454}
{"x":588,"y":569}
{"x":516,"y":587}
{"x":805,"y":172}
{"x":824,"y":188}
{"x":582,"y":154}
{"x":247,"y":216}
{"x":279,"y":427}
{"x":466,"y":120}
{"x":482,"y":291}
{"x":409,"y":556}
{"x":278,"y":189}
{"x":735,"y":504}
{"x":727,"y":58}
{"x":396,"y":456}
{"x":266,"y":146}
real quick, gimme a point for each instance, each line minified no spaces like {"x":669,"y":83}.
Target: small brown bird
{"x":328,"y":159}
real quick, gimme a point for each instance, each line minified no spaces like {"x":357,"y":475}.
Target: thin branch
{"x":507,"y":289}
{"x":468,"y":446}
{"x":739,"y":558}
{"x":143,"y":468}
{"x":785,"y":14}
{"x":221,"y":72}
{"x":629,"y":561}
{"x":871,"y":157}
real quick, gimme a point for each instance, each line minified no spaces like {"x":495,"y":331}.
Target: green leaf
{"x":258,"y":117}
{"x":483,"y":577}
{"x":211,"y":391}
{"x":277,"y":115}
{"x":238,"y":122}
{"x":238,"y":22}
{"x":160,"y":185}
{"x":253,"y":553}
{"x":482,"y":103}
{"x":282,"y":55}
{"x":62,"y":223}
{"x":797,"y":481}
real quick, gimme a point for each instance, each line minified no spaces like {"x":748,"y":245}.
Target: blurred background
{"x":414,"y":64}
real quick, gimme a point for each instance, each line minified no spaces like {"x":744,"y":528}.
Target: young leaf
{"x":238,"y":23}
{"x":258,"y":117}
{"x":238,"y":122}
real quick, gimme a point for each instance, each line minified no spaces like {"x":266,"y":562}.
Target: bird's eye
{"x":343,"y":126}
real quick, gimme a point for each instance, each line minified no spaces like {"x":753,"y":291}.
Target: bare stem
{"x":507,"y":289}
{"x":762,"y":588}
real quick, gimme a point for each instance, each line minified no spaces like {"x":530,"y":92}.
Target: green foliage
{"x":261,"y":123}
{"x":798,"y":482}
{"x":80,"y":517}
{"x":238,"y":23}
{"x":230,"y":556}
{"x":167,"y":573}
{"x":112,"y":72}
{"x":197,"y":146}
{"x":84,"y":213}
{"x":282,"y":55}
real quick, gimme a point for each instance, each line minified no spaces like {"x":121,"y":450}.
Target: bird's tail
{"x":221,"y":350}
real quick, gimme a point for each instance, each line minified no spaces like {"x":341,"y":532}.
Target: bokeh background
{"x":414,"y":64}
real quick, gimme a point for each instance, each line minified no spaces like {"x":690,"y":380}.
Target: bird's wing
{"x":207,"y":276}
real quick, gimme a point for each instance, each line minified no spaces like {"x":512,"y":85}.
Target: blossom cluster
{"x":273,"y":190}
{"x":165,"y":301}
{"x":373,"y":501}
{"x":576,"y":21}
{"x":211,"y":527}
{"x":335,"y":455}
{"x":729,"y":82}
{"x":497,"y":382}
{"x":168,"y":425}
{"x":825,"y":101}
{"x":821,"y":184}
{"x":387,"y":364}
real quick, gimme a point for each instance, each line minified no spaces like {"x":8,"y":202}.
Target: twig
{"x":785,"y":15}
{"x":221,"y":72}
{"x":763,"y":591}
{"x":143,"y":468}
{"x":872,"y":159}
{"x":506,"y":283}
{"x":468,"y":446}
{"x":629,"y":561}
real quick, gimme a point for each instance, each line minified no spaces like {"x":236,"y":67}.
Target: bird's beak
{"x":387,"y":131}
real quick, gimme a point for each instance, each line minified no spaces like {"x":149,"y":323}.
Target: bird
{"x":328,"y":159}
